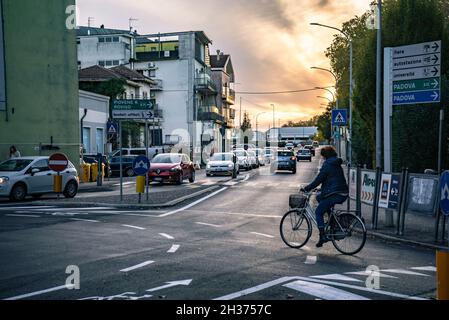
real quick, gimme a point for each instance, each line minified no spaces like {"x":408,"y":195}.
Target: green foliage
{"x":246,"y":126}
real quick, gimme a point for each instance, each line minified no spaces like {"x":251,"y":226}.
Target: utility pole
{"x":240,"y":112}
{"x":379,"y":87}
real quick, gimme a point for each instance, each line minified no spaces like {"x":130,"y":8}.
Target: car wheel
{"x":71,"y":189}
{"x":129,"y":172}
{"x":192,"y":177}
{"x":180,"y":179}
{"x":18,"y":192}
{"x":208,"y":175}
{"x":294,"y":171}
{"x":310,"y":160}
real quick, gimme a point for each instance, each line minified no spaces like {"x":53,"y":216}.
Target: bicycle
{"x":342,"y":227}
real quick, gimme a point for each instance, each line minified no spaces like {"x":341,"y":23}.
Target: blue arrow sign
{"x":430,"y":96}
{"x":339,"y":117}
{"x":141,"y":165}
{"x":444,"y":202}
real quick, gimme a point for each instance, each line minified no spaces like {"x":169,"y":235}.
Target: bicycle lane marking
{"x":311,"y":260}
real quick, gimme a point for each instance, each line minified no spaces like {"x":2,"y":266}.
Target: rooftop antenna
{"x":89,"y":21}
{"x":131,"y":23}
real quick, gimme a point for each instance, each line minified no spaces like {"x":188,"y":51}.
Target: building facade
{"x":40,"y":112}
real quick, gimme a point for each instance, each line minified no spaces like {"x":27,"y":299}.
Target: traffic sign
{"x":444,"y":203}
{"x":416,"y":73}
{"x":339,"y":117}
{"x":417,"y":61}
{"x":141,"y":165}
{"x":417,"y":85}
{"x":112,"y":128}
{"x":58,"y":162}
{"x":133,"y":104}
{"x":416,"y":97}
{"x":417,"y":49}
{"x":132,"y":114}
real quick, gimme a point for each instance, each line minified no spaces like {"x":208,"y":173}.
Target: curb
{"x":410,"y":242}
{"x":129,"y":206}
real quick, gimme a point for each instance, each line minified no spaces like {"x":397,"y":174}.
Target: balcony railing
{"x":210,"y":113}
{"x":228,"y":95}
{"x":205,"y":86}
{"x":158,"y":86}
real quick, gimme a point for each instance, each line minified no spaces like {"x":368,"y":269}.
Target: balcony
{"x":228,"y":95}
{"x":230,"y":123}
{"x":158,"y":86}
{"x":205,"y":86}
{"x":210,"y":114}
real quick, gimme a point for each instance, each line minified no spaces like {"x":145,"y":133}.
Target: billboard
{"x":368,"y":187}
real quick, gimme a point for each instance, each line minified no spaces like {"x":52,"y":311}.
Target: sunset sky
{"x":271,"y":42}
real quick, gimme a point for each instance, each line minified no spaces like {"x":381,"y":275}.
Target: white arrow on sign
{"x":435,"y":96}
{"x":445,"y":193}
{"x":172,"y":284}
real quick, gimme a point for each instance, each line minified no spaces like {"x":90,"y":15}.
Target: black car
{"x":311,"y":148}
{"x":304,"y":154}
{"x":285,"y":160}
{"x":127,"y":166}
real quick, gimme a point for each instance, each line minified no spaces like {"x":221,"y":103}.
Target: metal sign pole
{"x":121,"y":160}
{"x":440,"y":140}
{"x":147,"y":180}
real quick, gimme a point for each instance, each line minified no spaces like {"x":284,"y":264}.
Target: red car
{"x":171,"y":167}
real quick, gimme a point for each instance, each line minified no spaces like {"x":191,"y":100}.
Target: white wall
{"x":90,"y":51}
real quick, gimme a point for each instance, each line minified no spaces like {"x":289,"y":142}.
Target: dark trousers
{"x":325,"y":205}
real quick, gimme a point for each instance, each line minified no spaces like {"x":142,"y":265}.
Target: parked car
{"x":152,"y":151}
{"x":304,"y":154}
{"x":223,"y":163}
{"x":285,"y":160}
{"x":24,"y":176}
{"x":290,"y":146}
{"x":172,"y":167}
{"x":311,"y":148}
{"x":243,"y":159}
{"x":127,"y":166}
{"x":246,"y":146}
{"x":253,"y":159}
{"x":260,"y":156}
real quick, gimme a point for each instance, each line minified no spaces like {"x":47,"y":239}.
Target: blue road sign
{"x":112,"y":128}
{"x":339,"y":117}
{"x":141,"y":165}
{"x":444,"y":203}
{"x":430,"y":96}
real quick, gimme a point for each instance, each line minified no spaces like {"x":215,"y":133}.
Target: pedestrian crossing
{"x":354,"y":285}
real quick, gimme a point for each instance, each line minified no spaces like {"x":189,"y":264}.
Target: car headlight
{"x":230,"y":166}
{"x":178,"y":168}
{"x":208,"y":166}
{"x":4,"y":180}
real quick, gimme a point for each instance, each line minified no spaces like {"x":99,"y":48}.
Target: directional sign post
{"x":141,"y":166}
{"x":132,"y":109}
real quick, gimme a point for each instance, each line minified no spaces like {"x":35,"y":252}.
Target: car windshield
{"x":167,"y":158}
{"x":252,"y":153}
{"x":221,"y":157}
{"x":304,"y":151}
{"x":284,"y":154}
{"x":14,"y":164}
{"x":267,"y":151}
{"x":240,"y":154}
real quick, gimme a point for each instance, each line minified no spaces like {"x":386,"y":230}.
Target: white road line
{"x":86,"y":220}
{"x":36,"y":293}
{"x":338,"y":277}
{"x":173,"y":248}
{"x":323,"y":291}
{"x":192,"y":204}
{"x":210,"y":183}
{"x":30,"y":207}
{"x":139,"y":215}
{"x":246,"y":178}
{"x":124,"y":183}
{"x":134,"y":227}
{"x":230,"y":183}
{"x":263,"y":235}
{"x":167,"y":236}
{"x":208,"y":224}
{"x":311,"y":260}
{"x":22,"y":215}
{"x":402,"y":271}
{"x":76,"y":209}
{"x":433,"y":269}
{"x":238,"y":214}
{"x":140,"y":265}
{"x":368,"y":273}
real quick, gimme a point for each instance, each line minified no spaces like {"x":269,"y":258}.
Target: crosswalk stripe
{"x":22,"y":215}
{"x":433,"y":269}
{"x":336,"y":276}
{"x":74,"y":209}
{"x":402,"y":271}
{"x":368,"y":273}
{"x":24,"y":208}
{"x":230,"y":183}
{"x":323,"y":291}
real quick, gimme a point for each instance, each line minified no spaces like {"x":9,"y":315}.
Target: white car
{"x":269,"y":154}
{"x":243,"y":159}
{"x":253,"y":159}
{"x":24,"y":176}
{"x":260,"y":156}
{"x":222,"y":163}
{"x":290,"y":146}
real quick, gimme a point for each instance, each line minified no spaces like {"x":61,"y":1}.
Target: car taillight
{"x":293,"y":158}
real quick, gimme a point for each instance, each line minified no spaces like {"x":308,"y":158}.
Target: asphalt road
{"x":224,"y":246}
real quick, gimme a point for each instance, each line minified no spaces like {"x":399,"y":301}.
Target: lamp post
{"x":257,"y":128}
{"x":351,"y":84}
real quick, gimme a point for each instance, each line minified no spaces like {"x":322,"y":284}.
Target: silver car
{"x":223,"y":163}
{"x":243,"y":159}
{"x":24,"y":176}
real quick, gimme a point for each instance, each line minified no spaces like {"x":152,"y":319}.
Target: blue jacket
{"x":331,"y":177}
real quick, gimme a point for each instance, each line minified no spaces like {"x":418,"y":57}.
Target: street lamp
{"x":257,"y":128}
{"x":321,"y":97}
{"x":351,"y":85}
{"x":333,"y":95}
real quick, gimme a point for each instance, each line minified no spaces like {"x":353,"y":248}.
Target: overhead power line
{"x":277,"y":92}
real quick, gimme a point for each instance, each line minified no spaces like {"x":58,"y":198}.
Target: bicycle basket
{"x":297,"y":201}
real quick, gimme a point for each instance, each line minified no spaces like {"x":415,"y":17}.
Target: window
{"x":2,"y":65}
{"x":101,"y":63}
{"x":176,"y":48}
{"x":78,"y":41}
{"x":115,"y":62}
{"x":115,"y":39}
{"x":152,"y":73}
{"x":101,"y":39}
{"x":42,"y":165}
{"x":145,"y":95}
{"x":138,"y":152}
{"x":86,"y":139}
{"x":100,"y":140}
{"x":108,"y":39}
{"x":153,"y":49}
{"x":108,"y":63}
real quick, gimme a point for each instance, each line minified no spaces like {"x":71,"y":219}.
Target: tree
{"x":246,"y":127}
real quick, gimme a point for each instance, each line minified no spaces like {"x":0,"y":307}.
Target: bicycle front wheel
{"x":295,"y":228}
{"x":348,"y":233}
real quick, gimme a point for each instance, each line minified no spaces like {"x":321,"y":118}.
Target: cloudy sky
{"x":271,"y":42}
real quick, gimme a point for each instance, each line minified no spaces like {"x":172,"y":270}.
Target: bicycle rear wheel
{"x":348,"y":234}
{"x":295,"y":228}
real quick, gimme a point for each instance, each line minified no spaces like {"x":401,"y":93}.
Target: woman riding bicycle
{"x":334,"y":189}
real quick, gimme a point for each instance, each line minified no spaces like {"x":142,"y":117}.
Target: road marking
{"x":172,"y":284}
{"x":166,"y":236}
{"x":86,"y":220}
{"x":138,"y":215}
{"x":230,"y":183}
{"x":369,"y":273}
{"x":64,"y":214}
{"x":210,"y":183}
{"x":402,"y":271}
{"x":22,"y":215}
{"x":124,"y":183}
{"x":246,"y":178}
{"x":134,"y":227}
{"x":192,"y":204}
{"x":263,"y":235}
{"x":75,"y":209}
{"x":140,"y":265}
{"x":173,"y":248}
{"x":208,"y":224}
{"x":36,"y":293}
{"x":238,"y":214}
{"x":336,"y":276}
{"x":323,"y":291}
{"x":434,"y":269}
{"x":23,"y":208}
{"x":311,"y":260}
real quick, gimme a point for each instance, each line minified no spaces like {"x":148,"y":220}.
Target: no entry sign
{"x":58,"y":162}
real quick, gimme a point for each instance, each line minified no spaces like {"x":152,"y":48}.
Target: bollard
{"x":140,"y":186}
{"x":57,"y":184}
{"x":443,"y":274}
